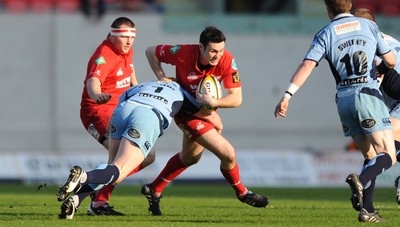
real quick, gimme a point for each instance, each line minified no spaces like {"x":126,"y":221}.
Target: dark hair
{"x":211,"y":34}
{"x":338,"y":6}
{"x":122,"y":21}
{"x":364,"y":13}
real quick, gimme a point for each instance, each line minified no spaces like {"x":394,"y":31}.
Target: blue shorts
{"x":362,"y":111}
{"x":137,"y":123}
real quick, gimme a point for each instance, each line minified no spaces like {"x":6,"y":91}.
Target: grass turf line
{"x":196,"y":205}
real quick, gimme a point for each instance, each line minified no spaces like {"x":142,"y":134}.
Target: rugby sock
{"x":368,"y":191}
{"x":233,"y":178}
{"x":135,"y":170}
{"x":172,"y":169}
{"x":103,"y":195}
{"x":397,"y":145}
{"x":375,"y":166}
{"x":103,"y":174}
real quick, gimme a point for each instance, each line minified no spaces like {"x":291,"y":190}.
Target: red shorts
{"x":191,"y":125}
{"x":96,"y":121}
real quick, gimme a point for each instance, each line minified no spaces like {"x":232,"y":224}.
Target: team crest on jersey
{"x":135,"y":134}
{"x":93,"y":131}
{"x":120,"y":72}
{"x":174,"y":49}
{"x":235,"y":77}
{"x":100,"y":61}
{"x":234,"y":66}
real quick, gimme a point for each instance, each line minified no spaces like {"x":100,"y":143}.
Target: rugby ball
{"x":212,"y":85}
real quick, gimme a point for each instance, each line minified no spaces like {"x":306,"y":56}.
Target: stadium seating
{"x":16,"y":6}
{"x":41,"y":6}
{"x":67,"y":6}
{"x":369,"y":4}
{"x":389,"y":7}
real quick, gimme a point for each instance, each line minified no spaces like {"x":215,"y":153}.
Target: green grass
{"x":197,"y":205}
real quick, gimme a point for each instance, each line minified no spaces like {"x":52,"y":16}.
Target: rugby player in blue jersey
{"x":350,"y":44}
{"x":143,"y":114}
{"x":391,"y":86}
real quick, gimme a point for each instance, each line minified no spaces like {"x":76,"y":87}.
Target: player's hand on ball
{"x":206,"y":100}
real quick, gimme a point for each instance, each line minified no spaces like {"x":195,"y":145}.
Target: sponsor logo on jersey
{"x":346,"y":129}
{"x":120,"y":72}
{"x":162,"y":51}
{"x":234,"y":66}
{"x":126,"y":82}
{"x":147,"y":145}
{"x":133,"y":133}
{"x":358,"y":80}
{"x":368,"y":123}
{"x":386,"y":121}
{"x":192,"y":76}
{"x":93,"y":131}
{"x":160,"y":98}
{"x":174,"y":49}
{"x":351,"y":26}
{"x":97,"y":72}
{"x":113,"y":129}
{"x":100,"y":61}
{"x":235,"y":77}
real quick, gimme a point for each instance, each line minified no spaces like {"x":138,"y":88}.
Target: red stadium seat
{"x":16,"y":6}
{"x":389,"y":7}
{"x":67,"y":6}
{"x":41,"y":6}
{"x":368,"y":4}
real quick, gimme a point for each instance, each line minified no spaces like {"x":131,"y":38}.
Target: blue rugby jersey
{"x":349,"y":44}
{"x":166,"y":97}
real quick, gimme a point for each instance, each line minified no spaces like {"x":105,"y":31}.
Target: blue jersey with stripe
{"x":349,"y":44}
{"x":166,"y":97}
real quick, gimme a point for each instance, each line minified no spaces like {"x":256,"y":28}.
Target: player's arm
{"x":93,"y":87}
{"x":231,"y":100}
{"x":155,"y":64}
{"x":134,"y":81}
{"x":299,"y":77}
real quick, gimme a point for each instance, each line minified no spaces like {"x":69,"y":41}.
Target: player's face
{"x":123,"y":43}
{"x":212,"y":53}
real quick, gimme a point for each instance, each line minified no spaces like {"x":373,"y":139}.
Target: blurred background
{"x":45,"y":46}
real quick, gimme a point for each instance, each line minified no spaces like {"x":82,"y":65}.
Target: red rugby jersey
{"x":188,"y":75}
{"x":114,"y":71}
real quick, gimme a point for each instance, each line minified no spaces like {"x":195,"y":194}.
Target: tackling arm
{"x":155,"y":64}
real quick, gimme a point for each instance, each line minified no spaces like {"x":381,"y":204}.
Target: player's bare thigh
{"x":218,"y":145}
{"x":396,"y":128}
{"x":129,"y":156}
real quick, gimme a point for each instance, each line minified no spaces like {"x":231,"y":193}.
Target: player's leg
{"x":218,"y":145}
{"x":395,"y":118}
{"x":190,"y":154}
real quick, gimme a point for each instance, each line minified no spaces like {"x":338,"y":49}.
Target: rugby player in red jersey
{"x":193,"y":62}
{"x":110,"y":72}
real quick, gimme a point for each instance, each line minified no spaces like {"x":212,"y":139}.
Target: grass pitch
{"x":197,"y":205}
